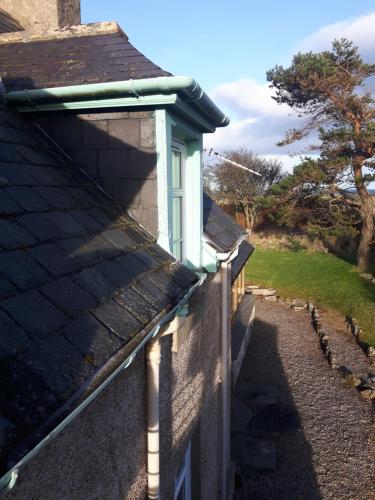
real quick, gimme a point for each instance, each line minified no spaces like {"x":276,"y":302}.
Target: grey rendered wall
{"x":102,"y":454}
{"x":191,"y":395}
{"x":118,"y":149}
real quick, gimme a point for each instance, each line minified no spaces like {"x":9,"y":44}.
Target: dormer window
{"x":180,"y":190}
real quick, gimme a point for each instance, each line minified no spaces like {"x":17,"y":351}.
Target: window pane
{"x":177,"y":218}
{"x":176,"y":169}
{"x":181,"y":493}
{"x":177,"y":250}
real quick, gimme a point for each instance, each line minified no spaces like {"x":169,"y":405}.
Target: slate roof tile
{"x":28,"y":199}
{"x":115,"y":272}
{"x":137,"y":305}
{"x":69,"y":296}
{"x":36,"y":314}
{"x":13,"y":235}
{"x":55,"y":259}
{"x":57,"y":363}
{"x":86,"y":220}
{"x":24,"y":399}
{"x":22,"y":270}
{"x":118,"y":320}
{"x":96,"y":283}
{"x":166,"y":283}
{"x":219,"y":228}
{"x":6,"y":288}
{"x":40,"y":226}
{"x":56,"y":197}
{"x":12,"y":338}
{"x":134,"y":266}
{"x":119,"y":239}
{"x":7,"y":205}
{"x":90,"y":250}
{"x":244,"y":252}
{"x":106,"y":57}
{"x":151,"y":293}
{"x":93,"y":339}
{"x":19,"y":175}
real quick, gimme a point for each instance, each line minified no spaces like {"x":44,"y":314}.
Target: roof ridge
{"x":91,"y":29}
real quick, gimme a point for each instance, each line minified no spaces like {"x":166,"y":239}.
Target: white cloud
{"x":248,"y":96}
{"x":257,"y":121}
{"x":358,"y":29}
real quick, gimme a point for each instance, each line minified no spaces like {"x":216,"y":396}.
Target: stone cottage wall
{"x":102,"y":453}
{"x":116,"y":148}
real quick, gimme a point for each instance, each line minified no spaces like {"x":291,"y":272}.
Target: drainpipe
{"x":225,"y":269}
{"x":226,"y":359}
{"x":153,"y":358}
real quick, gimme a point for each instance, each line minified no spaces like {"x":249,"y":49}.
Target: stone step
{"x":261,"y":291}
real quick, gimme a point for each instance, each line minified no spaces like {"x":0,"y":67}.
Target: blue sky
{"x":228,"y":46}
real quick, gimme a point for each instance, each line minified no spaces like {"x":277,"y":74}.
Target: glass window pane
{"x":177,"y":250}
{"x":177,"y":218}
{"x":176,"y":169}
{"x":181,"y":493}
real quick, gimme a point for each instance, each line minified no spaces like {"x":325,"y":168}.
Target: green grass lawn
{"x":329,"y":282}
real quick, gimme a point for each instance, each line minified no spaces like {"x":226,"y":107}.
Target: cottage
{"x":119,"y":280}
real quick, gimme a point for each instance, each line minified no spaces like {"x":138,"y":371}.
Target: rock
{"x":332,"y":360}
{"x":310,"y":307}
{"x":258,"y":454}
{"x":367,"y":276}
{"x":368,"y":394}
{"x":241,"y":415}
{"x":270,"y":298}
{"x":350,"y":377}
{"x":371,"y":355}
{"x":297,"y":307}
{"x":263,"y":291}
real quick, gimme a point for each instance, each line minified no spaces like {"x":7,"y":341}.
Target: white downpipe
{"x":153,"y":358}
{"x":225,"y":267}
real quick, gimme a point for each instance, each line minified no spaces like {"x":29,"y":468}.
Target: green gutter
{"x":187,"y":88}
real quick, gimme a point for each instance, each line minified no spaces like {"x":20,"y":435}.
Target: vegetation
{"x":327,"y":90}
{"x":327,"y":281}
{"x":245,"y":192}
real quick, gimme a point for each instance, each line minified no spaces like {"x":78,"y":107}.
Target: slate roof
{"x":7,"y":23}
{"x":73,"y":58}
{"x":244,"y":252}
{"x":79,"y":280}
{"x":221,"y":231}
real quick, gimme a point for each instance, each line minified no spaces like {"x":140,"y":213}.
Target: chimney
{"x":40,"y":16}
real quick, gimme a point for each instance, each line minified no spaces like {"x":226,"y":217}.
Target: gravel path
{"x":309,"y":436}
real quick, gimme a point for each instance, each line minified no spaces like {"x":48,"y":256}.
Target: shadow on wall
{"x":274,"y":422}
{"x":125,"y":166}
{"x":189,"y":399}
{"x":118,"y":150}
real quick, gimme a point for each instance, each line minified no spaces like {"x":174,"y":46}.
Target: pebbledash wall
{"x":102,"y":454}
{"x":118,"y":149}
